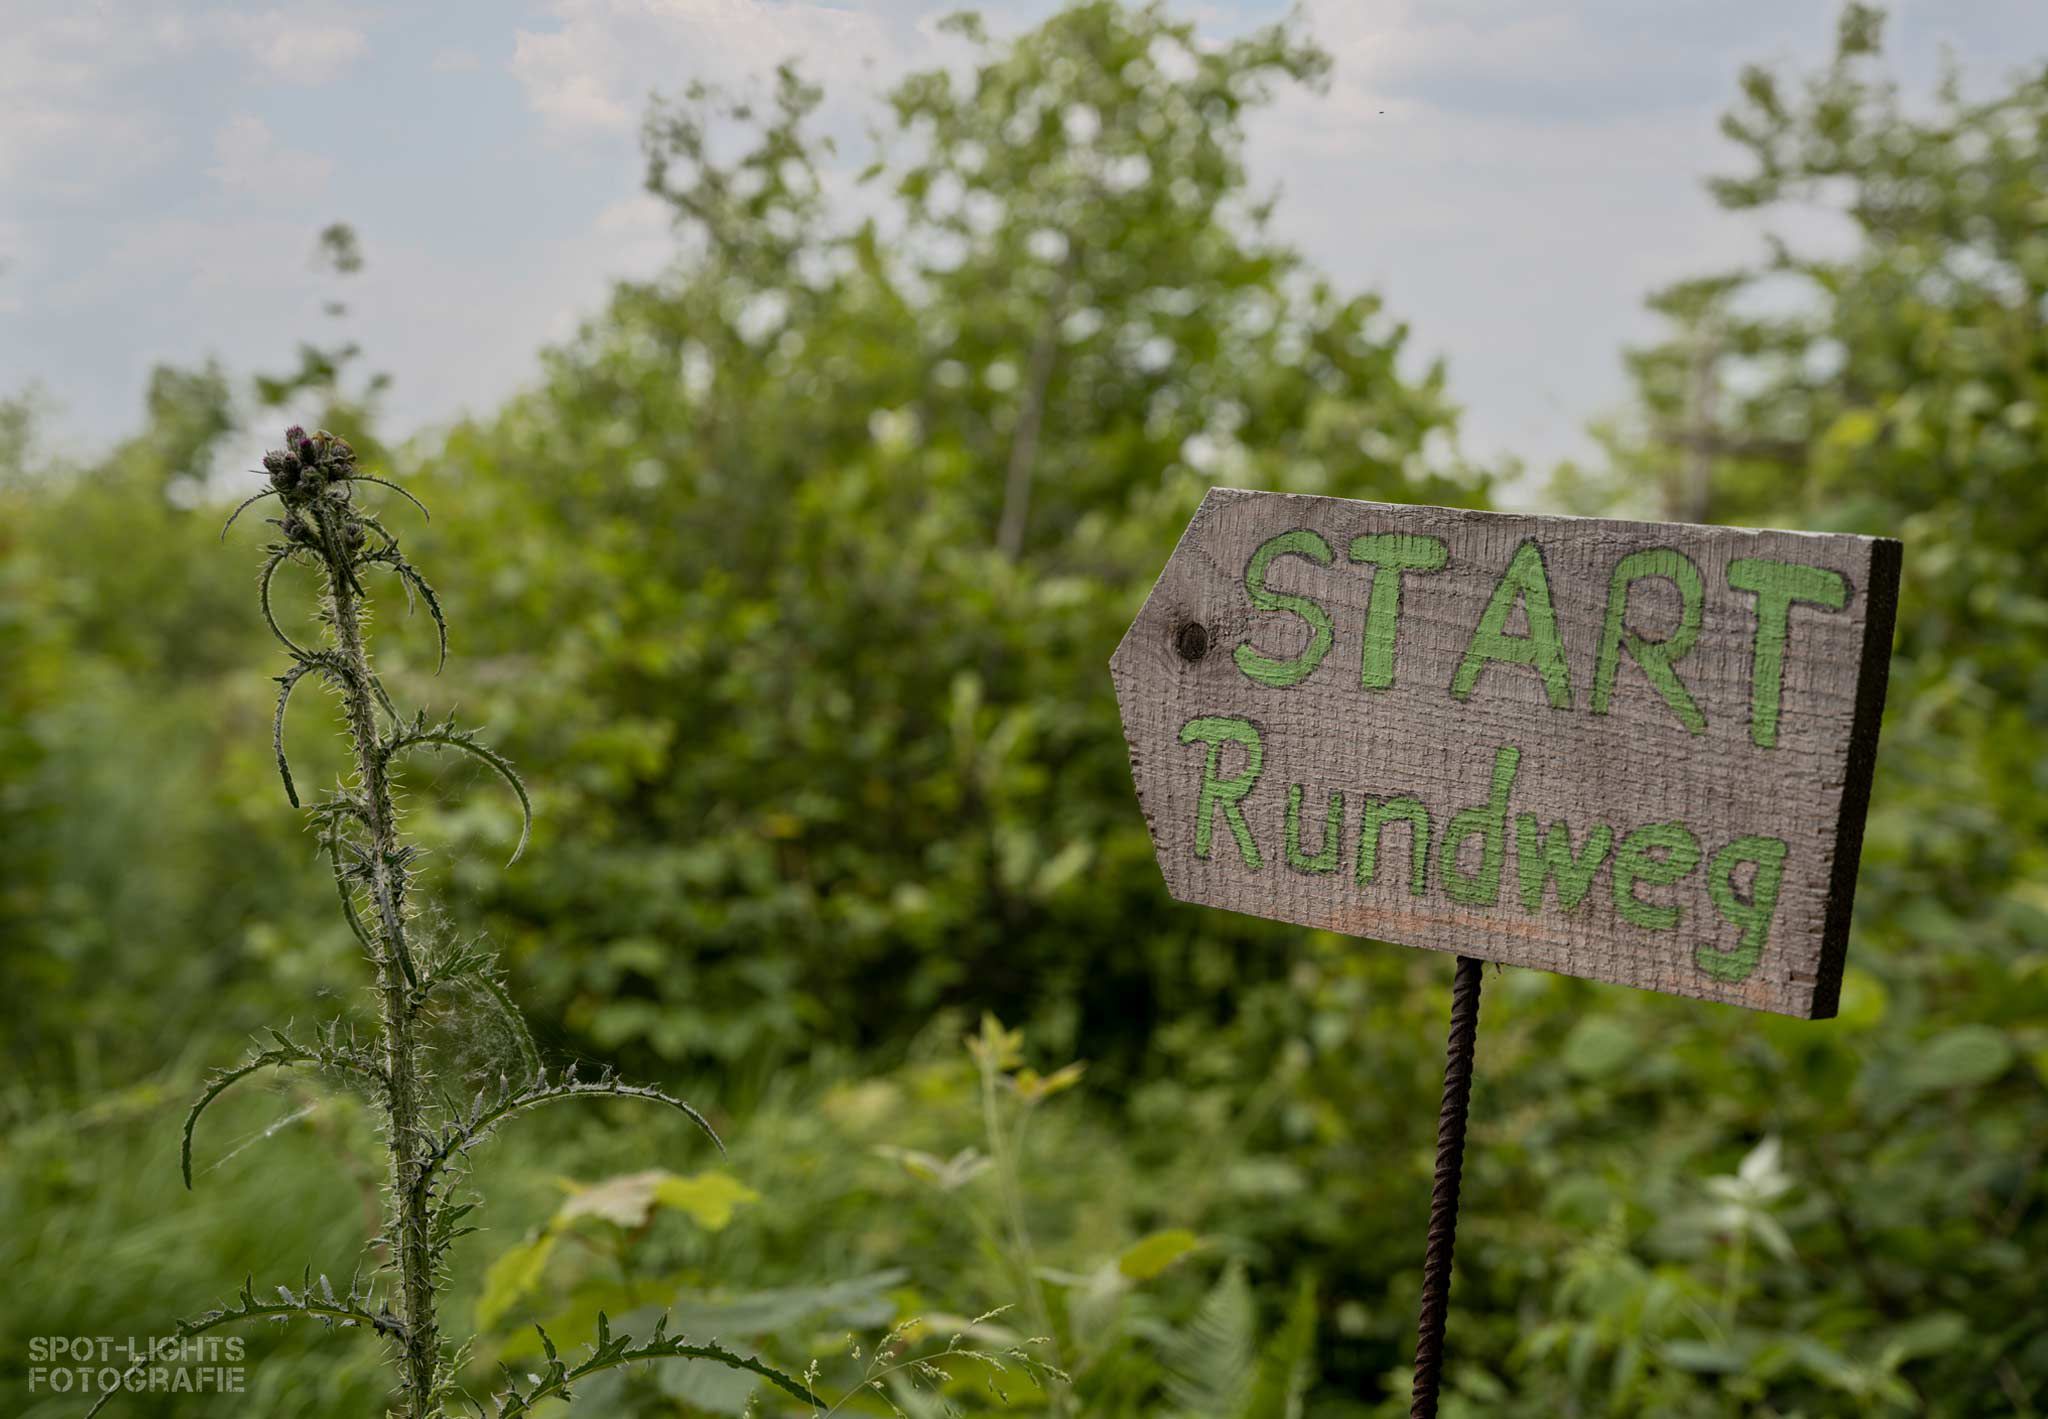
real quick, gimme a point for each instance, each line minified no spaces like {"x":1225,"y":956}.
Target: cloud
{"x":591,"y":75}
{"x":68,"y":118}
{"x":293,"y":45}
{"x":1511,"y":177}
{"x":1515,"y":179}
{"x":247,"y":156}
{"x":253,"y":258}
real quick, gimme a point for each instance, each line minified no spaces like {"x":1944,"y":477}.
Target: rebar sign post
{"x":1443,"y":1195}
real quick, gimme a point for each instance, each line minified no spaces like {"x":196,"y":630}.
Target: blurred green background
{"x":790,"y":583}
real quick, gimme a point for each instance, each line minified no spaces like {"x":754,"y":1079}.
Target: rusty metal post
{"x":1443,"y":1198}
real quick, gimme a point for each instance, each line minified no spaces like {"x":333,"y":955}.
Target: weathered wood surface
{"x":1713,"y":780}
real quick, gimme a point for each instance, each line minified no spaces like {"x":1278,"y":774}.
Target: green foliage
{"x":803,"y":562}
{"x":1891,"y":386}
{"x":835,"y":524}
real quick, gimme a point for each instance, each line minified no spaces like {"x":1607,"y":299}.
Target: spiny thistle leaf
{"x":410,"y":577}
{"x":323,"y":1305}
{"x":287,"y":682}
{"x":445,"y":1229}
{"x":278,"y":557}
{"x":341,"y":566}
{"x":477,"y":968}
{"x":247,"y":503}
{"x":446,"y":736}
{"x":483,"y":1118}
{"x":332,"y":842}
{"x":385,"y":941}
{"x":309,"y":661}
{"x":610,"y":1352}
{"x":454,"y":966}
{"x":529,"y":1052}
{"x":284,"y":1055}
{"x":387,"y":483}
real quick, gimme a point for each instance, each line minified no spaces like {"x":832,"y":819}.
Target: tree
{"x":1896,"y":387}
{"x":860,"y":508}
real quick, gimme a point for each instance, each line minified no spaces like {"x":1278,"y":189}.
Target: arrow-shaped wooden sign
{"x":1638,"y":752}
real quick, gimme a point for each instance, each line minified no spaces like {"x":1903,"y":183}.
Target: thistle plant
{"x":428,"y":1130}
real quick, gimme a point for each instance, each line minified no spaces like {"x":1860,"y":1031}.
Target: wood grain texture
{"x":1711,"y":827}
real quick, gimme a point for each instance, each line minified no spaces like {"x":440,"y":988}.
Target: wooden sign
{"x":1636,"y":752}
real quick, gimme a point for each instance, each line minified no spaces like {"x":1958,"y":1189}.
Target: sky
{"x":1512,"y":176}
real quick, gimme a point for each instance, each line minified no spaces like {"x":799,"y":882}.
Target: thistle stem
{"x":407,"y":1224}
